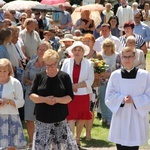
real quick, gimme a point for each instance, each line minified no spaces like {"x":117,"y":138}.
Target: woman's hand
{"x":105,"y":75}
{"x":50,"y":100}
{"x":75,"y":87}
{"x":97,"y":75}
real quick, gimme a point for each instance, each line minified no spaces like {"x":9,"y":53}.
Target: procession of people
{"x":57,"y":74}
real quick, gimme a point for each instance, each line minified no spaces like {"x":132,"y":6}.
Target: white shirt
{"x":14,"y":56}
{"x":98,"y":43}
{"x":124,"y":15}
{"x":130,"y":123}
{"x":19,"y":45}
{"x":86,"y":74}
{"x":12,"y":90}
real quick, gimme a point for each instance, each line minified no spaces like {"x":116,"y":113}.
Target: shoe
{"x":99,"y":116}
{"x":104,"y":122}
{"x":88,"y":139}
{"x":108,"y":124}
{"x":78,"y":141}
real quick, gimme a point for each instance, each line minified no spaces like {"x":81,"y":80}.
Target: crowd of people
{"x":46,"y":68}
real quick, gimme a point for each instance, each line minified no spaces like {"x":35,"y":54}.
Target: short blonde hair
{"x":128,"y":49}
{"x":108,"y":42}
{"x":49,"y":46}
{"x":50,"y":55}
{"x":5,"y":63}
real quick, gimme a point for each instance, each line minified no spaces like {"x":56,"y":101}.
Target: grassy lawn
{"x":99,"y":134}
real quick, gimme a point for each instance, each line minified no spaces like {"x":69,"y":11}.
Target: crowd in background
{"x":28,"y":41}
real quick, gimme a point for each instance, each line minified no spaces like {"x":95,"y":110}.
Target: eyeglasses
{"x":41,"y":50}
{"x":107,"y":45}
{"x":51,"y":66}
{"x":127,"y":57}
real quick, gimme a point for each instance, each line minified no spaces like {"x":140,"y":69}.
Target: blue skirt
{"x":11,"y":132}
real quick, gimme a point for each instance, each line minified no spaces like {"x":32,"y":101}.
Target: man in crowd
{"x":106,"y":33}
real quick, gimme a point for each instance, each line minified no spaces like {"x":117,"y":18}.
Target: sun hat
{"x":80,"y":44}
{"x":67,"y":37}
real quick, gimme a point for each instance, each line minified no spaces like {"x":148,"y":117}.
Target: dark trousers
{"x":121,"y":147}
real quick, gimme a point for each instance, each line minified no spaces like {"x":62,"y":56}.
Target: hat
{"x":78,"y":43}
{"x":67,"y":37}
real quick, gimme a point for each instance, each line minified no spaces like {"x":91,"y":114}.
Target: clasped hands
{"x":128,"y":99}
{"x":50,"y":100}
{"x":75,"y":87}
{"x":85,"y":26}
{"x":4,"y":101}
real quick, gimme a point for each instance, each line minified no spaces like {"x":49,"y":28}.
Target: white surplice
{"x":129,"y":125}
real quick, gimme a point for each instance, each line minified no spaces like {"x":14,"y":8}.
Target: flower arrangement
{"x":99,"y":65}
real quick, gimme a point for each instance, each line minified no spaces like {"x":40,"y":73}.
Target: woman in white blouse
{"x":82,"y":76}
{"x":11,"y":98}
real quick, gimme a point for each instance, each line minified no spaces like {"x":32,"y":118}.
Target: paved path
{"x":110,"y":148}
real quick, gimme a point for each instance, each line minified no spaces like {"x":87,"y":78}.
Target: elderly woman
{"x":82,"y":75}
{"x":85,"y":23}
{"x":30,"y":38}
{"x":128,"y":29}
{"x":33,"y":67}
{"x":112,"y":59}
{"x":11,"y":98}
{"x":89,"y":40}
{"x":139,"y":61}
{"x":22,"y":19}
{"x":52,"y":130}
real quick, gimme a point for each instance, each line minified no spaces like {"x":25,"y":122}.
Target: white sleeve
{"x":142,"y":102}
{"x":18,"y":92}
{"x":113,"y":98}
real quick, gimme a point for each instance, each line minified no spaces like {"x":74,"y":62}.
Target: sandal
{"x":78,"y":142}
{"x":88,"y":138}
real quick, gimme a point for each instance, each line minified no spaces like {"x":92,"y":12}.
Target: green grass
{"x":99,"y":133}
{"x":99,"y":136}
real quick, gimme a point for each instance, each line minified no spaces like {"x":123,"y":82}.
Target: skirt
{"x":11,"y":132}
{"x":79,"y":108}
{"x":53,"y":136}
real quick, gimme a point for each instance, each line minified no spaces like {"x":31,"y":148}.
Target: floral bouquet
{"x":99,"y":67}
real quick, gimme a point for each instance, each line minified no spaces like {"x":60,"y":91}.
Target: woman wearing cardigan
{"x":82,"y":75}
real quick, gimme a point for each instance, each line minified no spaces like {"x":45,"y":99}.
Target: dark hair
{"x":128,"y":24}
{"x":52,"y":31}
{"x":4,"y":34}
{"x":45,"y":32}
{"x":113,"y":17}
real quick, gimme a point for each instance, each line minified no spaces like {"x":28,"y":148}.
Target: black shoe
{"x":99,"y":116}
